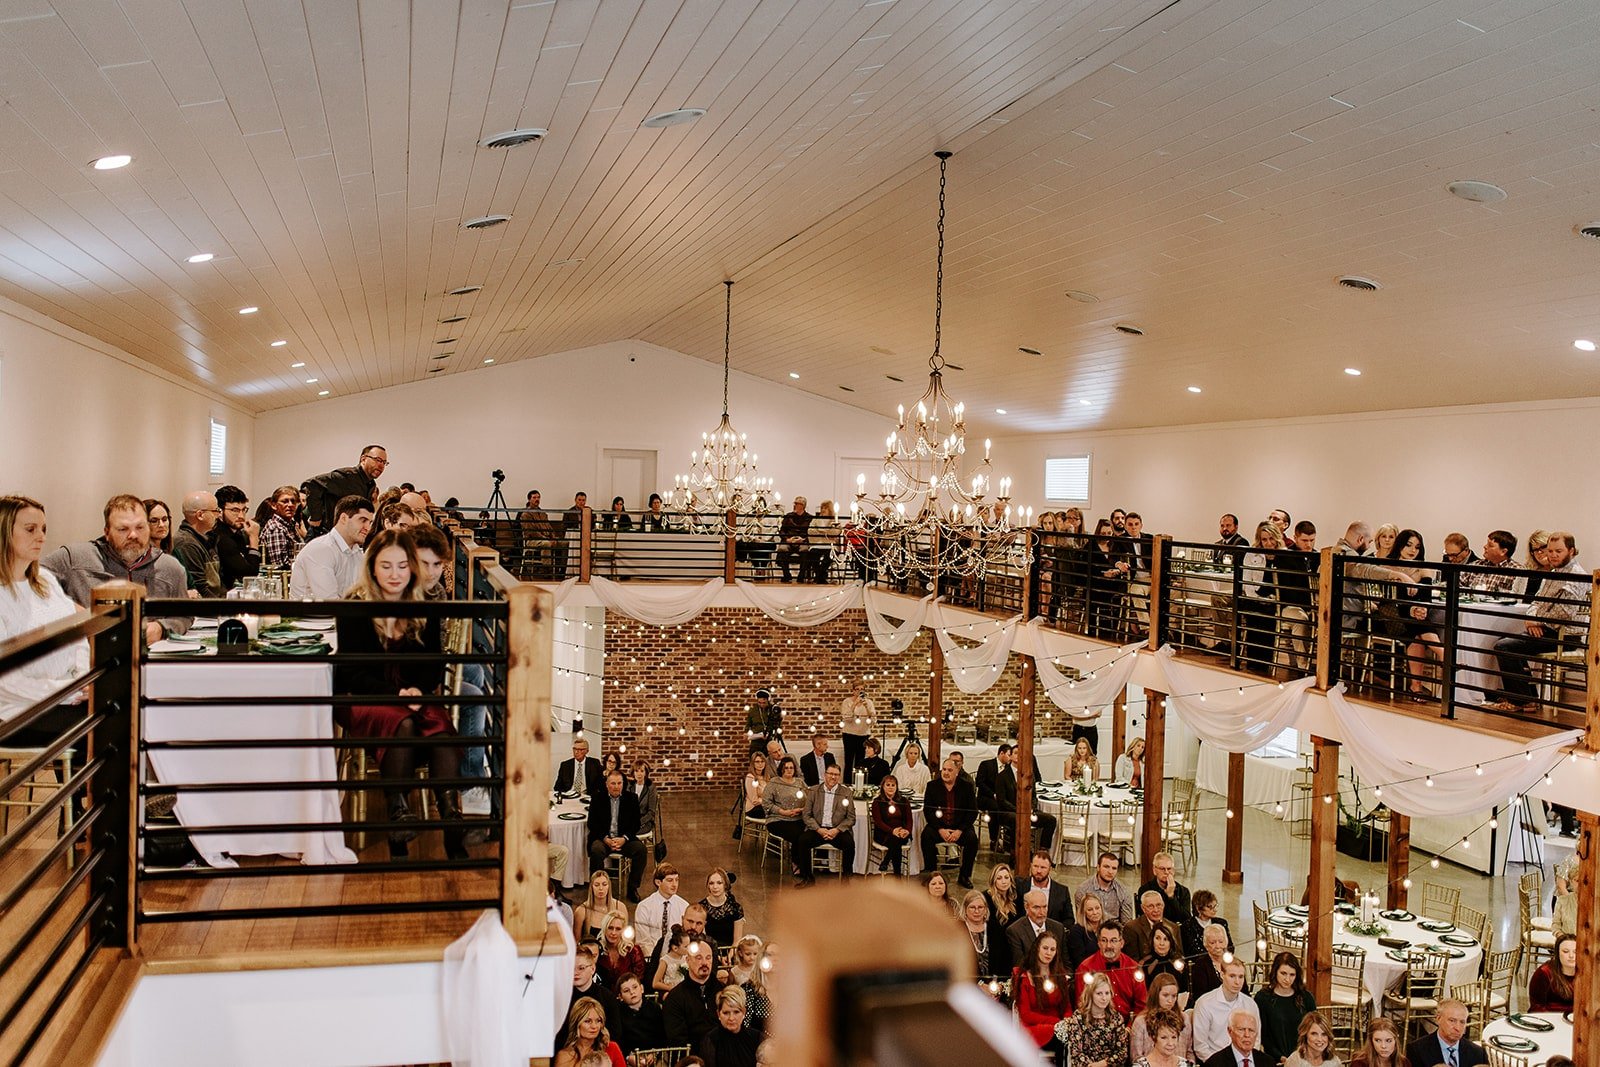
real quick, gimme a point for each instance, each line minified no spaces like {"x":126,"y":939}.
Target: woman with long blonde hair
{"x":589,"y":917}
{"x":30,"y":598}
{"x":390,"y":573}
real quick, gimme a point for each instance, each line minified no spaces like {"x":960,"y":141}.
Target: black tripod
{"x":910,"y":738}
{"x":497,"y":499}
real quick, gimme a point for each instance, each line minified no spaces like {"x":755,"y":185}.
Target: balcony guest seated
{"x":391,"y":572}
{"x":794,"y":540}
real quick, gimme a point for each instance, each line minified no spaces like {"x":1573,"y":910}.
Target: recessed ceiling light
{"x":202,"y":257}
{"x":1194,"y":389}
{"x":673,"y":118}
{"x":513,"y":138}
{"x":881,"y":350}
{"x":487,"y":361}
{"x":1583,"y":345}
{"x":110,"y":162}
{"x":1029,"y":351}
{"x":1129,"y":328}
{"x":1354,"y":372}
{"x":999,"y":411}
{"x":249,"y":310}
{"x":1590,"y":230}
{"x":1086,"y":403}
{"x":1476,"y":191}
{"x":792,"y":374}
{"x":462,"y":290}
{"x":322,"y":392}
{"x":279,"y":344}
{"x":483,"y":222}
{"x":1082,"y":297}
{"x":1360,"y":284}
{"x":296,"y":366}
{"x":311,"y":381}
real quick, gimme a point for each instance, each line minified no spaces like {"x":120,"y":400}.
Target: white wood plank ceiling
{"x":1205,"y":168}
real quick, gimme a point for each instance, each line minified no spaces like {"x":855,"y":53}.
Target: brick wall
{"x":679,"y":694}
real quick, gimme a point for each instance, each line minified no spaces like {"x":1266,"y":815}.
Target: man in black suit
{"x":1005,"y":799}
{"x":819,"y":759}
{"x":1040,"y":876}
{"x":1034,"y":922}
{"x":1164,"y":880}
{"x":951,"y":808}
{"x":1241,"y":1048}
{"x":985,"y":780}
{"x":1448,"y":1045}
{"x":613,"y":828}
{"x":581,"y":773}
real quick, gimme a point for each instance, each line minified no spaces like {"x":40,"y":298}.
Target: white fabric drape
{"x":1234,"y":720}
{"x":888,"y":636}
{"x":977,"y":667}
{"x":480,"y":983}
{"x":1103,"y":676}
{"x":658,"y":605}
{"x":563,"y":590}
{"x":1453,"y":792}
{"x":794,"y":609}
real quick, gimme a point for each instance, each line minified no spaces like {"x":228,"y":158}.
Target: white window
{"x":1066,"y":479}
{"x":219,"y":449}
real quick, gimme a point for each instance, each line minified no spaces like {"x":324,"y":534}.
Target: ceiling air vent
{"x":1025,"y":350}
{"x":512,"y":138}
{"x":484,"y":222}
{"x":846,"y":388}
{"x":454,"y":318}
{"x":892,"y":378}
{"x":447,"y":341}
{"x":1364,"y":285}
{"x":1129,"y":328}
{"x":462,"y":290}
{"x":1590,"y":229}
{"x":445,"y":355}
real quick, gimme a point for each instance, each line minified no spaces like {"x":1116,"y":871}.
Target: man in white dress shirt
{"x":329,"y":565}
{"x":1213,"y":1013}
{"x":660,"y":911}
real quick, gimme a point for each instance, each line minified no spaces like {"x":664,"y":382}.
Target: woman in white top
{"x":30,"y":598}
{"x":1130,"y":765}
{"x":912,"y":773}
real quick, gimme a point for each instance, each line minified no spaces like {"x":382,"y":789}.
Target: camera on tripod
{"x":498,"y":475}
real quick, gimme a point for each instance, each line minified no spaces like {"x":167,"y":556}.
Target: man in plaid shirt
{"x":279,"y":540}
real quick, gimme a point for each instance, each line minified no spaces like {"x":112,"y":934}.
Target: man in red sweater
{"x":1127,"y":981}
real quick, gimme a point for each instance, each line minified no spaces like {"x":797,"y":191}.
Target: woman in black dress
{"x":891,"y":823}
{"x":391,"y":573}
{"x":729,"y":1044}
{"x":1108,"y":581}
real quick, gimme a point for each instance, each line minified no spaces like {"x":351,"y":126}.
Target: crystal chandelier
{"x":928,"y":519}
{"x":722,"y":471}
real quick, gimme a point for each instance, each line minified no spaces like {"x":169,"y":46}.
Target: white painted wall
{"x":546,"y":421}
{"x":81,"y":421}
{"x":1513,"y":466}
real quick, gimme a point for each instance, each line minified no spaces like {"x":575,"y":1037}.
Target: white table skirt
{"x":1383,"y":972}
{"x":862,"y":832}
{"x":1477,"y":670}
{"x":238,"y":722}
{"x":1557,"y":1042}
{"x":1056,"y":798}
{"x":574,"y":833}
{"x":1268,"y":780}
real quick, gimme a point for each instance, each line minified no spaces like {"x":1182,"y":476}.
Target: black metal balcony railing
{"x":1256,"y":608}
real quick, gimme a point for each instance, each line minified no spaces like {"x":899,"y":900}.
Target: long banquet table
{"x":248,"y":677}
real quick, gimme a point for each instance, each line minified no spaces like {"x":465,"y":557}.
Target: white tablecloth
{"x":251,"y":677}
{"x":1382,"y":971}
{"x":1557,"y":1042}
{"x":1477,"y":670}
{"x":862,"y":832}
{"x":1268,"y":780}
{"x":574,"y":833}
{"x":1099,"y":816}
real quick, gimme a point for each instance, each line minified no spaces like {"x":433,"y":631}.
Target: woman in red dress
{"x":1039,"y":990}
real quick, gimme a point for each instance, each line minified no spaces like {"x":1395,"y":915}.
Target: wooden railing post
{"x":1233,"y":841}
{"x":1324,"y":829}
{"x":1160,"y":546}
{"x":1327,"y":651}
{"x":116,"y":696}
{"x":1155,"y":763}
{"x":525,"y":867}
{"x":1399,"y":859}
{"x":479,"y":560}
{"x":935,"y":700}
{"x":585,"y":543}
{"x":1022,"y":761}
{"x":730,"y":556}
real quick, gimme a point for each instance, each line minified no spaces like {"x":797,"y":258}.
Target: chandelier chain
{"x":936,"y":361}
{"x":727,"y":338}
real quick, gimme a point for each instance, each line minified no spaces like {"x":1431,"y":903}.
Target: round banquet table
{"x":1060,"y":795}
{"x":1557,"y":1041}
{"x":574,"y":833}
{"x":1383,"y":970}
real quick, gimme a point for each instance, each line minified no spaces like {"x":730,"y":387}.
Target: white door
{"x":629,"y":473}
{"x":848,"y":467}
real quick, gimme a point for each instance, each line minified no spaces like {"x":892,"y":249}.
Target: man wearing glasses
{"x":194,"y":544}
{"x":238,"y":539}
{"x":325,"y":491}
